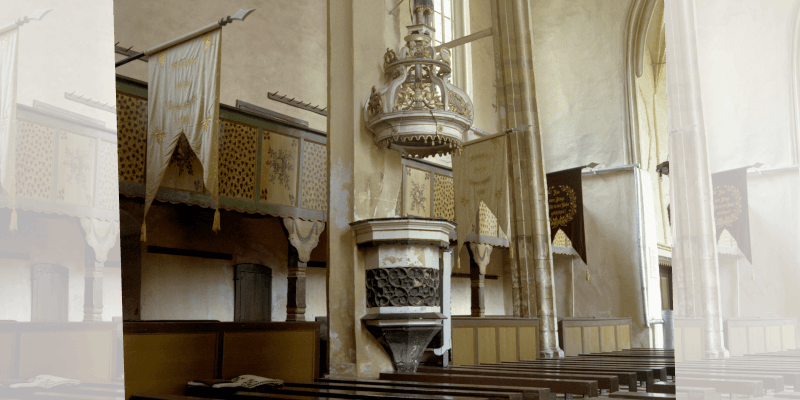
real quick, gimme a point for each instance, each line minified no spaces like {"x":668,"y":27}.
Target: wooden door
{"x":253,"y":293}
{"x":49,"y":293}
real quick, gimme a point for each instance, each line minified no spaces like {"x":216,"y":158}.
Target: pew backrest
{"x":163,"y":357}
{"x":86,"y":351}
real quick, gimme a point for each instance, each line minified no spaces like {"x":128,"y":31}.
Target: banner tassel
{"x":13,"y":226}
{"x":216,"y":227}
{"x":587,"y":273}
{"x":143,"y":236}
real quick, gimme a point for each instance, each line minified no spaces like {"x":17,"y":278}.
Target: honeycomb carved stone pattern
{"x":237,"y":160}
{"x":36,"y":151}
{"x":131,"y":137}
{"x":403,"y":286}
{"x":315,"y":178}
{"x":444,"y":197}
{"x":107,"y":190}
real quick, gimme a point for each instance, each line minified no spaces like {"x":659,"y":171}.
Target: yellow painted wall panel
{"x":755,"y":339}
{"x":789,"y":338}
{"x":773,"y":338}
{"x":608,"y":338}
{"x":508,"y":343}
{"x":528,"y":343}
{"x":463,"y":346}
{"x":573,"y":345}
{"x":693,"y":343}
{"x":623,"y":337}
{"x":737,"y":337}
{"x":591,"y":339}
{"x":487,"y":344}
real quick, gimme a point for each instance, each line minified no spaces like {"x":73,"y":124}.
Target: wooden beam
{"x":466,"y":39}
{"x":188,"y":253}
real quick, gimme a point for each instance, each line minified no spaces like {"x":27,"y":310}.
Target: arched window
{"x":443,"y":21}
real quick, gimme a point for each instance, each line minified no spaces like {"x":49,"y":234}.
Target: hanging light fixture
{"x":418,"y":111}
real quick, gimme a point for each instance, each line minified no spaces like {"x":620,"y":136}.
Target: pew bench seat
{"x":527,"y":393}
{"x":567,"y":387}
{"x":327,"y":387}
{"x":351,"y":393}
{"x":607,"y":382}
{"x":664,"y":387}
{"x":641,"y":395}
{"x":748,"y":388}
{"x":697,"y":393}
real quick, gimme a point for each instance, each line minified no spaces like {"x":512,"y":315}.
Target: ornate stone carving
{"x":418,"y":96}
{"x":375,"y":105}
{"x":402,"y":287}
{"x":100,"y":235}
{"x":423,"y":113}
{"x":303,"y":235}
{"x":481,"y":254}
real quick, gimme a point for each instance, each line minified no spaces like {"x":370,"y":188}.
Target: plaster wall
{"x":614,"y":285}
{"x":745,"y":55}
{"x":484,"y":80}
{"x":497,"y":291}
{"x":67,"y":51}
{"x":182,"y":287}
{"x":50,"y":240}
{"x":280,"y":47}
{"x":767,"y":286}
{"x":579,"y":64}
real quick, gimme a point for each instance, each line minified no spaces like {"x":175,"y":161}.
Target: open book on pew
{"x":39,"y":381}
{"x":243,"y":381}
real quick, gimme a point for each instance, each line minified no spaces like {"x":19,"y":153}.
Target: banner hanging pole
{"x":239,"y":16}
{"x":36,"y":16}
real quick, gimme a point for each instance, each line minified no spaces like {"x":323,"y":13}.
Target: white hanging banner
{"x":183,"y":99}
{"x":481,"y":182}
{"x":8,"y":110}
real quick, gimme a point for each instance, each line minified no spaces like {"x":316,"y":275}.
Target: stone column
{"x":479,"y":256}
{"x":303,"y":237}
{"x":100,"y":237}
{"x":693,"y":222}
{"x":530,"y":236}
{"x":364,"y":180}
{"x":93,"y":286}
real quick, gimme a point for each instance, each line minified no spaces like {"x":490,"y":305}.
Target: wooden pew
{"x":729,"y":386}
{"x":605,"y":382}
{"x":664,"y":387}
{"x":641,"y":396}
{"x":322,"y":391}
{"x":789,"y":377}
{"x":526,"y":392}
{"x":624,"y":374}
{"x":771,"y":382}
{"x":346,"y":394}
{"x":560,"y":386}
{"x":697,"y":393}
{"x":162,"y":357}
{"x":208,"y":392}
{"x":86,"y":351}
{"x":660,"y":371}
{"x":492,"y":395}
